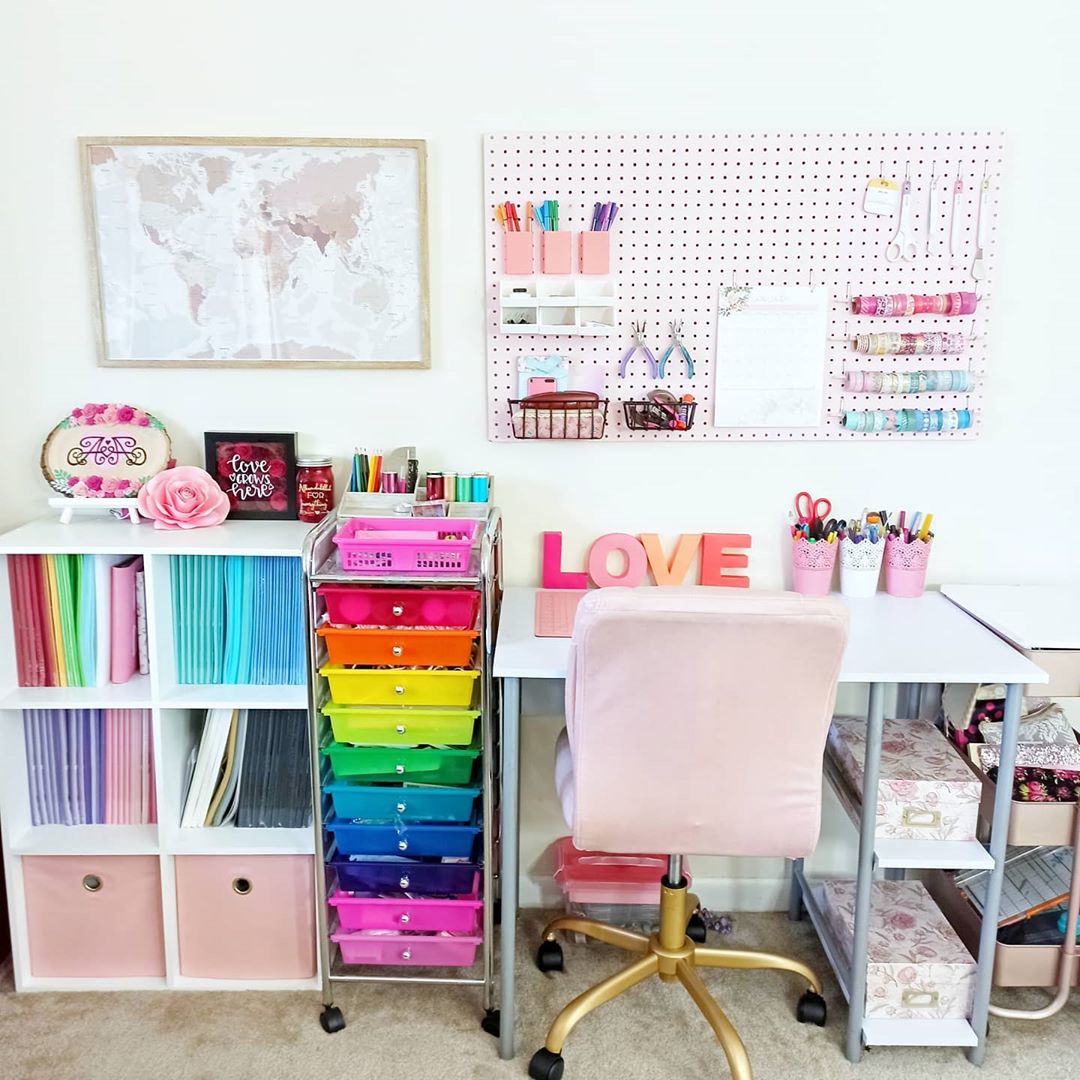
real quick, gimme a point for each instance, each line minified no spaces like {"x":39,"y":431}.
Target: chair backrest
{"x":697,"y":719}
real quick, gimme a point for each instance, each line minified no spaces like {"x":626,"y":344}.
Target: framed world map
{"x":223,"y":252}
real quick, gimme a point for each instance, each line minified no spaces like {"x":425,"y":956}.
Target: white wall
{"x":450,"y":72}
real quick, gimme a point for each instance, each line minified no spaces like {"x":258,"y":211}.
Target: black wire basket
{"x":651,"y":416}
{"x":573,"y":420}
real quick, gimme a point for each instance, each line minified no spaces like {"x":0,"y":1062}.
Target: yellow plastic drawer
{"x":401,"y":686}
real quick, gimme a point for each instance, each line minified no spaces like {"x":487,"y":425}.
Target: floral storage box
{"x":917,"y":967}
{"x":925,"y":790}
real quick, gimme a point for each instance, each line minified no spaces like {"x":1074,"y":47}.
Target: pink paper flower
{"x":109,"y":414}
{"x":125,"y":414}
{"x":183,"y":498}
{"x":94,"y":482}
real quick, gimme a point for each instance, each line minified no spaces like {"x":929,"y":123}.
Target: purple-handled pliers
{"x":654,"y":370}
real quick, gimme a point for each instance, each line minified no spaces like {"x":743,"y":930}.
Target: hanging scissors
{"x":676,"y":334}
{"x":808,"y":510}
{"x":638,"y":329}
{"x":903,"y":245}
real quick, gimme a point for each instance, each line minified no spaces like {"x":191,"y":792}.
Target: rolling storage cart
{"x":402,"y":614}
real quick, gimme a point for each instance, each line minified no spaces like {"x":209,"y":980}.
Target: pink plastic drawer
{"x":91,"y":916}
{"x":245,"y":916}
{"x":598,"y":877}
{"x":459,"y":915}
{"x":407,"y":950}
{"x":451,"y":609}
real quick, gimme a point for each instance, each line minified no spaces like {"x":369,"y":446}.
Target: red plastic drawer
{"x":449,"y":609}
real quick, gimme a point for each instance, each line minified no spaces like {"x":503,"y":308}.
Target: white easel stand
{"x":67,"y":507}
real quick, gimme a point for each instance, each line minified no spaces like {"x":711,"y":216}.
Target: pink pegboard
{"x":700,"y":211}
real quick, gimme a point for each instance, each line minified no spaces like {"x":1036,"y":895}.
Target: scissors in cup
{"x":903,"y":245}
{"x":808,"y":510}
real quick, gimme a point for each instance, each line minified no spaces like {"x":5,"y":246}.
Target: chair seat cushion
{"x":564,"y":776}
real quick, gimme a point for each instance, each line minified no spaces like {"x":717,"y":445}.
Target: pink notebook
{"x":555,"y":611}
{"x":124,"y":650}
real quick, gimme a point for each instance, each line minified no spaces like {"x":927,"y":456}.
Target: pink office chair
{"x":695,"y":723}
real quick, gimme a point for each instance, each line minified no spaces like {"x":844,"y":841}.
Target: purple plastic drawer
{"x":460,"y":915}
{"x":411,"y":950}
{"x":450,"y":609}
{"x":427,"y":876}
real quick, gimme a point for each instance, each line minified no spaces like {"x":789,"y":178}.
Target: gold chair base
{"x":672,"y":956}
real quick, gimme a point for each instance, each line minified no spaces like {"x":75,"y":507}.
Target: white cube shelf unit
{"x":578,"y":306}
{"x":176,"y":719}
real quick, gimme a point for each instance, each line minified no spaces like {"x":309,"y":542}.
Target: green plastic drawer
{"x":385,"y":764}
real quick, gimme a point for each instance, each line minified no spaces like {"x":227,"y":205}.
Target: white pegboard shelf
{"x":697,"y":211}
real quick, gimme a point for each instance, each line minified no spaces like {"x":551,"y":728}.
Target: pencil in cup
{"x":812,"y":563}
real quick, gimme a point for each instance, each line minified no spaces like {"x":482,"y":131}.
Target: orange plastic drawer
{"x":399,"y":648}
{"x":94,"y":916}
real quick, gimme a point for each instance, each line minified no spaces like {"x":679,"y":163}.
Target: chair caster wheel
{"x":696,"y":929}
{"x":811,"y":1009}
{"x":490,"y":1022}
{"x":545,"y":1065}
{"x":549,"y":957}
{"x":332,"y":1019}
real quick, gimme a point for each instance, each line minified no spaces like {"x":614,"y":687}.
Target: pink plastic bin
{"x":407,"y":950}
{"x":456,"y":916}
{"x":597,"y":877}
{"x":94,"y":916}
{"x":409,"y":545}
{"x":245,"y":916}
{"x":451,"y":609}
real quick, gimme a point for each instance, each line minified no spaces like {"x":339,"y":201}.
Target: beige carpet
{"x":404,"y":1033}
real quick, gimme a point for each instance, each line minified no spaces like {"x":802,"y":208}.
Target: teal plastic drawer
{"x":359,"y":802}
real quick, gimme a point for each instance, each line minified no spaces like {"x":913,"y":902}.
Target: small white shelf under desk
{"x":175,"y":711}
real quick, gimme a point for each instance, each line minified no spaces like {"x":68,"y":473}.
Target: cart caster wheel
{"x":811,"y":1009}
{"x":545,"y":1065}
{"x":549,"y":958}
{"x":696,"y":929}
{"x":332,"y":1019}
{"x":490,"y":1022}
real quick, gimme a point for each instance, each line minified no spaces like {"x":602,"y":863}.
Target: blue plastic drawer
{"x":425,"y":877}
{"x":374,"y":805}
{"x":445,"y":841}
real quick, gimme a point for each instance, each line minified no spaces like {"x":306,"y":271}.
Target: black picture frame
{"x":278,"y":505}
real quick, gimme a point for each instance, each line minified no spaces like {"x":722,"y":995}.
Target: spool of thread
{"x":387,"y":483}
{"x":909,"y":344}
{"x":433,"y":486}
{"x":908,"y":382}
{"x":913,"y":420}
{"x":463,"y":488}
{"x":481,"y":484}
{"x":450,"y":486}
{"x":904,"y":305}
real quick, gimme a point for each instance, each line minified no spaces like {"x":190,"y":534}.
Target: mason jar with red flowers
{"x":314,"y":488}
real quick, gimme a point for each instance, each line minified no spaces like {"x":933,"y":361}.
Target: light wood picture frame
{"x":258,"y":252}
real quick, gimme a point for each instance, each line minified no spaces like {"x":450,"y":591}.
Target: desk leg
{"x":867,"y":828}
{"x":999,"y":835}
{"x":508,"y":875}
{"x":795,"y":900}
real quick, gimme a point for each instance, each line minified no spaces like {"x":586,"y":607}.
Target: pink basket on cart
{"x":428,"y":545}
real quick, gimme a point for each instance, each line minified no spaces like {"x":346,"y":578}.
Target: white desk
{"x":891,"y":640}
{"x":1030,"y":616}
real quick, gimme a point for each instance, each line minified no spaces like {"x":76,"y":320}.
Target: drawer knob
{"x":401,"y":810}
{"x":406,"y":954}
{"x":400,"y":729}
{"x":399,"y":689}
{"x":399,"y":769}
{"x":403,"y":845}
{"x":92,"y":883}
{"x":404,"y":917}
{"x":398,"y":609}
{"x":397,"y":650}
{"x":403,"y":882}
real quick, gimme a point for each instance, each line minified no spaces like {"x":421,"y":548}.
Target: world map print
{"x":235,"y":254}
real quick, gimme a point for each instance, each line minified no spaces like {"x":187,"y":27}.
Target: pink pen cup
{"x":812,"y":563}
{"x":905,"y":566}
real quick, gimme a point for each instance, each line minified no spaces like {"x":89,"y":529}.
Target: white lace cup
{"x":861,"y":556}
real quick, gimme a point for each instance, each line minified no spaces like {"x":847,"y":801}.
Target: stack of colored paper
{"x":238,"y":619}
{"x":89,"y":766}
{"x":251,"y":769}
{"x":76,"y":618}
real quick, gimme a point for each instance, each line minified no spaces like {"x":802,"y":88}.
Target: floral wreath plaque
{"x":105,"y":451}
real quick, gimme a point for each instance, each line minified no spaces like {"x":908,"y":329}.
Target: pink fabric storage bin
{"x":456,"y":916}
{"x":245,"y":916}
{"x":91,"y":916}
{"x":407,"y":950}
{"x":596,"y":877}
